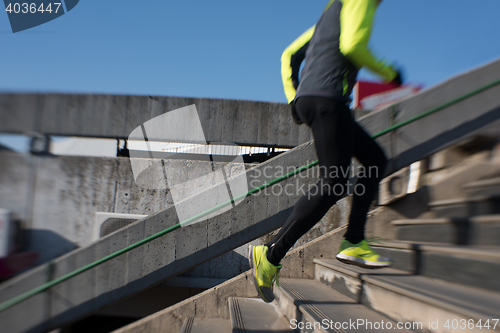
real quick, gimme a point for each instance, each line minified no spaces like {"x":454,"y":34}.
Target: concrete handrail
{"x":116,"y":116}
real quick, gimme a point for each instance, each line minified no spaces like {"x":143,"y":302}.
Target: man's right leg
{"x":355,"y":249}
{"x":373,"y":160}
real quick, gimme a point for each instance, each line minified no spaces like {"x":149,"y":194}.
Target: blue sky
{"x":228,"y":49}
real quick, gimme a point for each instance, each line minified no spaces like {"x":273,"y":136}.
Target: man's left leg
{"x":355,"y":249}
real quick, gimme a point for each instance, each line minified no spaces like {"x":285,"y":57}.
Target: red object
{"x":364,"y":89}
{"x":16,"y":262}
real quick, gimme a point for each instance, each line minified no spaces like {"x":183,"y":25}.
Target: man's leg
{"x":332,"y":126}
{"x":373,"y":161}
{"x":354,"y":249}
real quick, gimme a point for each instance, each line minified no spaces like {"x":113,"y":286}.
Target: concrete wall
{"x":56,"y":197}
{"x":114,"y":116}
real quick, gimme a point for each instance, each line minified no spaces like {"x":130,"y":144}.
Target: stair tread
{"x":463,"y":298}
{"x":478,"y":253}
{"x":456,"y":201}
{"x":495,"y":181}
{"x":493,"y":218}
{"x":258,"y":316}
{"x":208,"y":325}
{"x":323,"y":303}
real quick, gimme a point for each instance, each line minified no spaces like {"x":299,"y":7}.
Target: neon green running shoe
{"x":264,"y":273}
{"x":361,"y":254}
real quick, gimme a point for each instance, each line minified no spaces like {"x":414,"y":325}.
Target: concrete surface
{"x":317,"y":308}
{"x":476,"y":231}
{"x":116,"y":116}
{"x":160,"y":259}
{"x":411,"y":298}
{"x":258,"y":215}
{"x":466,"y":265}
{"x":213,"y":303}
{"x":56,"y":197}
{"x":253,"y":315}
{"x":198,"y":325}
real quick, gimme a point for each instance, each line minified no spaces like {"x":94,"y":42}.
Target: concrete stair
{"x":405,"y":297}
{"x":434,"y":283}
{"x":303,"y":305}
{"x":490,"y":186}
{"x":253,"y":315}
{"x":445,"y":279}
{"x":314,"y":307}
{"x":472,"y":266}
{"x":468,"y":198}
{"x":470,"y":206}
{"x":344,"y":298}
{"x":198,"y":325}
{"x":472,"y":219}
{"x":431,"y":286}
{"x":480,"y":230}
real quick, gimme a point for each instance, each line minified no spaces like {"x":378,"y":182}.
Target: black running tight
{"x":337,"y":137}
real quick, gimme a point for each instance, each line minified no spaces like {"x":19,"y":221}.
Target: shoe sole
{"x":350,"y":260}
{"x":254,"y":273}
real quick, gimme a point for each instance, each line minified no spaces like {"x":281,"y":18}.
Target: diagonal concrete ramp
{"x":257,"y":215}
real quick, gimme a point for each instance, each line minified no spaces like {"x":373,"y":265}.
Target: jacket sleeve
{"x":291,"y":59}
{"x":356,"y":21}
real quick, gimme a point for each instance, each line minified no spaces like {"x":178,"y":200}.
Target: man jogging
{"x":335,"y":49}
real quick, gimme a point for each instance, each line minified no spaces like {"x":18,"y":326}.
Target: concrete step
{"x":478,"y":267}
{"x":476,"y":230}
{"x":404,"y":297}
{"x":205,"y":325}
{"x":490,"y":186}
{"x":481,"y":204}
{"x":448,"y":183}
{"x":298,"y":263}
{"x":254,"y":315}
{"x":313,"y":307}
